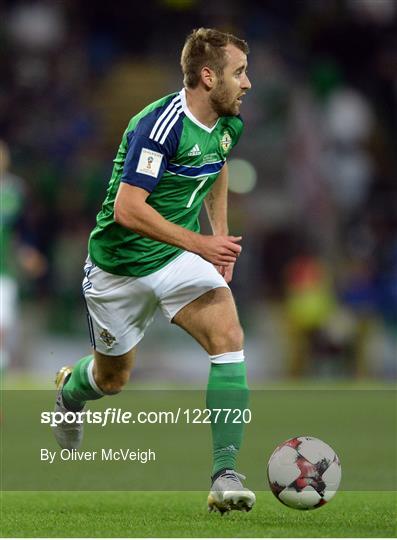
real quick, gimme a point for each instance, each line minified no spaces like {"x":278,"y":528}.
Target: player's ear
{"x":208,"y":77}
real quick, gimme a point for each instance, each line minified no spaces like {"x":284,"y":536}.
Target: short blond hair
{"x":206,"y":47}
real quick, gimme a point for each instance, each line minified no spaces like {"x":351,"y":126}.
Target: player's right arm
{"x":133,"y":212}
{"x":151,"y":145}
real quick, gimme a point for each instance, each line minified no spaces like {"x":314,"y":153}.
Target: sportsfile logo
{"x":118,"y":416}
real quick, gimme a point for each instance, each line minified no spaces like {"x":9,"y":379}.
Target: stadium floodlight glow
{"x":242,"y":176}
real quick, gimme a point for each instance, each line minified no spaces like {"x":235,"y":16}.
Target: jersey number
{"x":192,"y":196}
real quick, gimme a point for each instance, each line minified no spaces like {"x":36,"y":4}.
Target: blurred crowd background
{"x":312,"y":190}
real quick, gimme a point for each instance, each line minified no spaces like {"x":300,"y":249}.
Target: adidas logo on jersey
{"x":195,"y":151}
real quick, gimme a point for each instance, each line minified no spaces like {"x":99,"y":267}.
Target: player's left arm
{"x":216,"y":203}
{"x":216,"y":207}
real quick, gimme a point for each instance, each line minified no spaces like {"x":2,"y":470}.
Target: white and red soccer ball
{"x":304,"y":473}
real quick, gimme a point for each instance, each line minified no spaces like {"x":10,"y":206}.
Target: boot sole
{"x":241,"y":505}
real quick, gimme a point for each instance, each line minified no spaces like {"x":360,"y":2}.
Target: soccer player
{"x":146,"y":251}
{"x":17,"y":252}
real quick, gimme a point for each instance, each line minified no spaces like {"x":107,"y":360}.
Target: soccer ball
{"x":304,"y":473}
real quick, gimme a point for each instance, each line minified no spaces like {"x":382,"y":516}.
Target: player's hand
{"x":219,"y":250}
{"x":226,"y":271}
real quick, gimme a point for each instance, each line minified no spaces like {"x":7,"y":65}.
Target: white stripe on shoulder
{"x":163,"y":115}
{"x":170,"y":126}
{"x":175,"y":109}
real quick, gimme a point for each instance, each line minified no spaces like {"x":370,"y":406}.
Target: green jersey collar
{"x":191,"y":117}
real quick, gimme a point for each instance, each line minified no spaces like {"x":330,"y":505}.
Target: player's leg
{"x":89,"y":379}
{"x":118,"y":311}
{"x":94,"y":376}
{"x":196,"y":297}
{"x":213,"y":321}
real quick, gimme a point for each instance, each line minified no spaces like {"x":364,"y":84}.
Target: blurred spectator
{"x":320,"y":331}
{"x":16,"y":253}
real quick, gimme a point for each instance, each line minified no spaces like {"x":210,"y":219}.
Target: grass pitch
{"x":172,"y":514}
{"x":361,"y":425}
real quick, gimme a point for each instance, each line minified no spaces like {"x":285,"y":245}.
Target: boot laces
{"x":233,"y":476}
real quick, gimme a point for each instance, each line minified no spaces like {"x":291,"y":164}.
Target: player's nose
{"x":245,"y":83}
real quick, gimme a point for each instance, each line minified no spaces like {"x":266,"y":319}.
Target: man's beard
{"x":222,"y":102}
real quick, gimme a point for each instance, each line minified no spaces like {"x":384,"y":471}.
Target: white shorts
{"x":120,"y":308}
{"x":8,"y":301}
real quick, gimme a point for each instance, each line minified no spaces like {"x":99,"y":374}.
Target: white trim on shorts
{"x":120,"y":308}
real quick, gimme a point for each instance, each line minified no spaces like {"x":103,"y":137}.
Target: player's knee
{"x":230,"y":339}
{"x":111,"y":384}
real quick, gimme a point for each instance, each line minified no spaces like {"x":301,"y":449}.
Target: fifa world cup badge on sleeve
{"x":149,"y":162}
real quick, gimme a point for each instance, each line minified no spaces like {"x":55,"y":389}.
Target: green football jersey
{"x":168,"y":152}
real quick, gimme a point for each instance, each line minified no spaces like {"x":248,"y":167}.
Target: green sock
{"x":81,"y":386}
{"x":227,"y":389}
